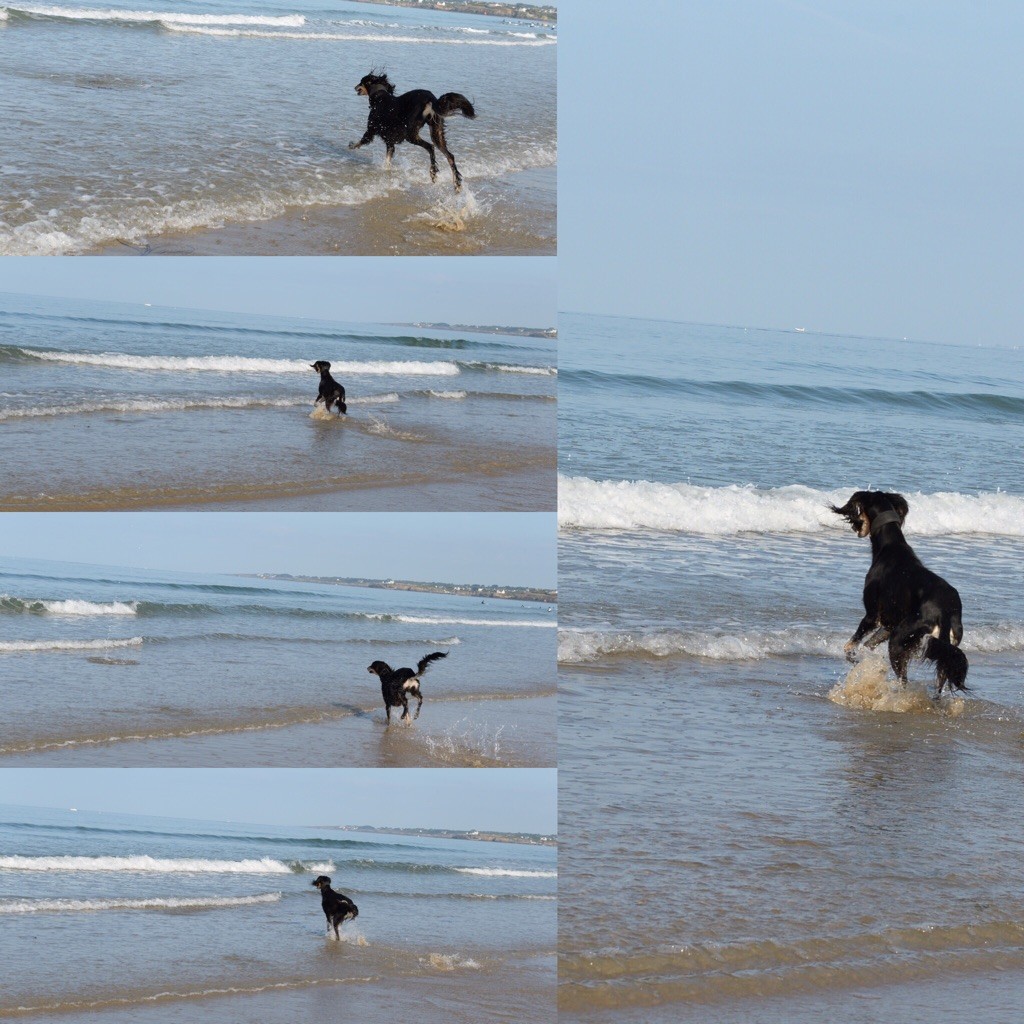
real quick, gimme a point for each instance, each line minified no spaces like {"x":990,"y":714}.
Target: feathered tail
{"x":421,"y":666}
{"x":454,"y":103}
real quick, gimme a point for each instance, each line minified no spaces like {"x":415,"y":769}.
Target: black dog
{"x":338,"y":908}
{"x":331,"y":392}
{"x":399,"y":119}
{"x":397,"y":683}
{"x":904,"y":601}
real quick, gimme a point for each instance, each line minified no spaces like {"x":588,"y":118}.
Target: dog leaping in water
{"x":903,"y":601}
{"x":338,"y":908}
{"x":399,"y":119}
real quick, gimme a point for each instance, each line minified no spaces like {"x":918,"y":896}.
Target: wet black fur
{"x":397,"y":683}
{"x":331,"y":392}
{"x":399,"y":119}
{"x":903,"y":601}
{"x":338,"y":908}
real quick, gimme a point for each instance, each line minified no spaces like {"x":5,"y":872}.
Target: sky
{"x":500,"y":799}
{"x":468,"y":290}
{"x":514,"y":548}
{"x":841,"y":165}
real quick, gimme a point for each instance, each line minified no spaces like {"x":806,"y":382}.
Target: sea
{"x":118,"y":667}
{"x":168,"y":125}
{"x":774,"y":834}
{"x":107,"y":406}
{"x":112,"y":916}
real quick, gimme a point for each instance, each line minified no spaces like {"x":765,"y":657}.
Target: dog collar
{"x":884,"y":520}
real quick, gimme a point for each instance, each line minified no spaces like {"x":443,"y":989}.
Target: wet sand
{"x":518,"y":731}
{"x":520,"y":221}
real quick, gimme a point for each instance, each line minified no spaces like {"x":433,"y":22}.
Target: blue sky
{"x":506,"y":799}
{"x":516,"y":548}
{"x":496,"y":290}
{"x":846,"y":165}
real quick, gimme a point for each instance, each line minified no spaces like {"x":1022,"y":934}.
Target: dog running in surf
{"x":338,"y":908}
{"x":397,"y":685}
{"x":399,"y":119}
{"x":903,"y":601}
{"x":331,"y":392}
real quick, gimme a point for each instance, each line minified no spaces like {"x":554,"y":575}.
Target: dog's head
{"x":864,"y":507}
{"x":375,"y":81}
{"x":321,"y":366}
{"x":377,"y":667}
{"x":321,"y":882}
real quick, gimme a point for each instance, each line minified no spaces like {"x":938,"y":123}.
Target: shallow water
{"x":118,"y":667}
{"x":222,"y":921}
{"x":108,"y":406}
{"x":130,"y":123}
{"x":774,"y":831}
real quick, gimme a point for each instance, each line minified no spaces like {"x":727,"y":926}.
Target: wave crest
{"x":585,"y":504}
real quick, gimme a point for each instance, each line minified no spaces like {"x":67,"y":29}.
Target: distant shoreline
{"x":516,"y":332}
{"x":518,"y":838}
{"x":482,"y":590}
{"x":494,"y":8}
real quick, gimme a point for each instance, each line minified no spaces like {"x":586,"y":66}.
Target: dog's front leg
{"x":867,"y":624}
{"x":879,"y":636}
{"x":364,"y":141}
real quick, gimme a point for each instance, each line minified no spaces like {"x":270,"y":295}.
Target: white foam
{"x":186,"y":903}
{"x":438,"y":621}
{"x":538,"y":371}
{"x":578,"y":647}
{"x":640,"y":504}
{"x":451,"y":962}
{"x":354,"y":37}
{"x":170,"y":18}
{"x":241,"y":364}
{"x":263,"y":866}
{"x":387,"y":399}
{"x":507,"y":873}
{"x":454,"y":395}
{"x":72,"y":607}
{"x":150,"y":405}
{"x":20,"y":646}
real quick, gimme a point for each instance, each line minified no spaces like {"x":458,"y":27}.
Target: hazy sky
{"x":496,"y":290}
{"x":850,"y":166}
{"x":503,"y":799}
{"x":517,"y":548}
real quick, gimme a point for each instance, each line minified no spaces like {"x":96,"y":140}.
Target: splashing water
{"x":868,"y":687}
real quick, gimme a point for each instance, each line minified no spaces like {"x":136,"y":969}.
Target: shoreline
{"x":538,"y":595}
{"x":423,"y":221}
{"x":489,"y":8}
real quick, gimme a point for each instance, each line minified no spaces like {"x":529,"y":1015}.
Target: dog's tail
{"x":421,"y":666}
{"x":340,"y":402}
{"x":950,"y":661}
{"x":454,"y":103}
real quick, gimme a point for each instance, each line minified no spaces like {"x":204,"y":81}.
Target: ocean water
{"x":120,"y":667}
{"x":111,"y":406}
{"x":167,"y":919}
{"x":776,"y":835}
{"x":131,"y":123}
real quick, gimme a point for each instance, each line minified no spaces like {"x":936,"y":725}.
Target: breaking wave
{"x":70,"y":607}
{"x":21,"y":646}
{"x":580,"y":647}
{"x":263,"y":866}
{"x":585,"y":504}
{"x":166,"y":18}
{"x":185,"y":903}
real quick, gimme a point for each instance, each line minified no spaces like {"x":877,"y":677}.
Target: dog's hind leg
{"x":387,"y":711}
{"x":388,"y":154}
{"x":419,"y":705}
{"x":414,"y":138}
{"x":901,"y":645}
{"x":437,"y":134}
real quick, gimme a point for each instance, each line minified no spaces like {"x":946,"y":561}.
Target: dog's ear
{"x":853,"y":509}
{"x":899,"y":504}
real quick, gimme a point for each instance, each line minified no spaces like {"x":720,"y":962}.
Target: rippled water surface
{"x":774,"y":835}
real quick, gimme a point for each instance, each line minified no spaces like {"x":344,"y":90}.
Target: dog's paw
{"x":353,"y":145}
